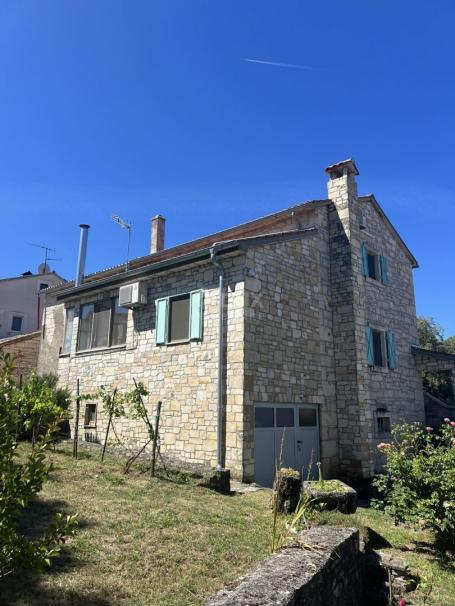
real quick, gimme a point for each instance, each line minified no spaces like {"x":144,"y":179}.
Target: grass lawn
{"x":414,"y":546}
{"x":140,"y":542}
{"x":163,"y":543}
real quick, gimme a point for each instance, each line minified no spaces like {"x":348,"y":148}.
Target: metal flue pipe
{"x":82,"y":254}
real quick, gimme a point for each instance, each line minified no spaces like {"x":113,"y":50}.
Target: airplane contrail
{"x":278,"y":64}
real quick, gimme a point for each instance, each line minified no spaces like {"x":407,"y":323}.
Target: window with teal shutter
{"x":364,"y":253}
{"x":161,"y":323}
{"x":370,"y":349}
{"x":196,"y":302}
{"x":391,"y":353}
{"x":384,"y":270}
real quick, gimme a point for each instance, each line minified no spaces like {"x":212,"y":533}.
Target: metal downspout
{"x":219,"y":446}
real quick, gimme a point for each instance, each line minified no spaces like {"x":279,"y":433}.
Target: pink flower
{"x":452,"y":441}
{"x":446,"y":420}
{"x":402,"y":602}
{"x":383,"y":446}
{"x":452,"y":423}
{"x":429,"y":429}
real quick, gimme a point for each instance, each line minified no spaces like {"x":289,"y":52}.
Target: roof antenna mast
{"x":128,"y":226}
{"x":47,"y":249}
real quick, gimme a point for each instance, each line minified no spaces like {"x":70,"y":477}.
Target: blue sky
{"x":142,"y":107}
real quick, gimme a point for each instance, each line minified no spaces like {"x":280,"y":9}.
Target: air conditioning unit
{"x":132,"y":295}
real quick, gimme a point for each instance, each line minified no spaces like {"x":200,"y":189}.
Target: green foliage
{"x":40,"y":403}
{"x":431,"y":336}
{"x":419,"y":483}
{"x":20,"y":482}
{"x":113,"y":402}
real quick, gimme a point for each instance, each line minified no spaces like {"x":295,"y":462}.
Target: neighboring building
{"x":22,"y":301}
{"x":25,"y":350}
{"x":317,"y":333}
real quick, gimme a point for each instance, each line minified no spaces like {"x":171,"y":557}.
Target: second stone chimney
{"x":157,"y":234}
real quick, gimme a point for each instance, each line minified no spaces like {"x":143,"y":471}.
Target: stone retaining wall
{"x":329,"y":573}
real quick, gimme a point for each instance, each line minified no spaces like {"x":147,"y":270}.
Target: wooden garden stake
{"x":155,"y":437}
{"x":111,"y":411}
{"x":76,"y":428}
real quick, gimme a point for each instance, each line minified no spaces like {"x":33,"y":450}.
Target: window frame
{"x":15,"y":315}
{"x":90,"y":424}
{"x":113,"y":304}
{"x":379,"y":415}
{"x":163,"y":306}
{"x":172,"y":299}
{"x":63,"y":351}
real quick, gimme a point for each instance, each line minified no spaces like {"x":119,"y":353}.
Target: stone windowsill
{"x":92,"y":352}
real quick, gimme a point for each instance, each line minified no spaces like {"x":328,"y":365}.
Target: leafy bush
{"x":21,"y":481}
{"x":40,"y":403}
{"x":419,"y":483}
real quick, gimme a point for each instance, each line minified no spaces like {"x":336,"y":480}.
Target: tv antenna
{"x":44,"y":267}
{"x":128,"y":226}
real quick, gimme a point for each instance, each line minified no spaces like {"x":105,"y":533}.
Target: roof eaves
{"x":142,"y":261}
{"x":371,"y":198}
{"x":223,"y":247}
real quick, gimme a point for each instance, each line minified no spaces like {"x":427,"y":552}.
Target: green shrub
{"x":419,"y":483}
{"x":21,"y":481}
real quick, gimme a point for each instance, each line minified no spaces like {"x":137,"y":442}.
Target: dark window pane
{"x":90,"y":415}
{"x":377,"y":348}
{"x":119,"y":322}
{"x":307,"y":417}
{"x":68,"y":330}
{"x":372,"y":266}
{"x":85,"y":326}
{"x":179,"y":318}
{"x":263,"y":416}
{"x":16,"y":323}
{"x":284,"y":417}
{"x":383,"y":425}
{"x":101,"y":324}
{"x":42,"y":286}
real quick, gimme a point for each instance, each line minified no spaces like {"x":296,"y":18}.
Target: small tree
{"x":41,"y":403}
{"x":419,"y":483}
{"x":21,"y":481}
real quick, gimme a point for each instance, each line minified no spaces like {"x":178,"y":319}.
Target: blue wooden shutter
{"x":384,"y":270}
{"x":370,"y":350}
{"x":364,"y":252}
{"x":391,"y":353}
{"x":161,"y":323}
{"x":196,"y":304}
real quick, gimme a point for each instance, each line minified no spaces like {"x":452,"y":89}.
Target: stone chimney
{"x":157,"y":234}
{"x":342,"y":190}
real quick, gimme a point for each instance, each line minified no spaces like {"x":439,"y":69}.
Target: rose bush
{"x":418,"y":485}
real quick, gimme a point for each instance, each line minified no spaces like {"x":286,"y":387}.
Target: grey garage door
{"x":285,"y":435}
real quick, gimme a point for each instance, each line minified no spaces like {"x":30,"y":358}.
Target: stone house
{"x":314,"y":309}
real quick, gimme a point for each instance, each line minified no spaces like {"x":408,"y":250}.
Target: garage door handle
{"x":299,"y":441}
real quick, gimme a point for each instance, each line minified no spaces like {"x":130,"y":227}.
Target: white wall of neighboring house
{"x":22,"y":301}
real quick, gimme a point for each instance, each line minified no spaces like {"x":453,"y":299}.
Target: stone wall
{"x":329,"y":573}
{"x":25,"y":349}
{"x":362,"y":391}
{"x":289,"y":356}
{"x":390,"y":307}
{"x":183,"y":376}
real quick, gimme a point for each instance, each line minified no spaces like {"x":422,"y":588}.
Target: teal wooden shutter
{"x":391,"y":353}
{"x":364,"y":253}
{"x":196,"y":305}
{"x":384,"y":270}
{"x":161,"y":323}
{"x":370,"y":350}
